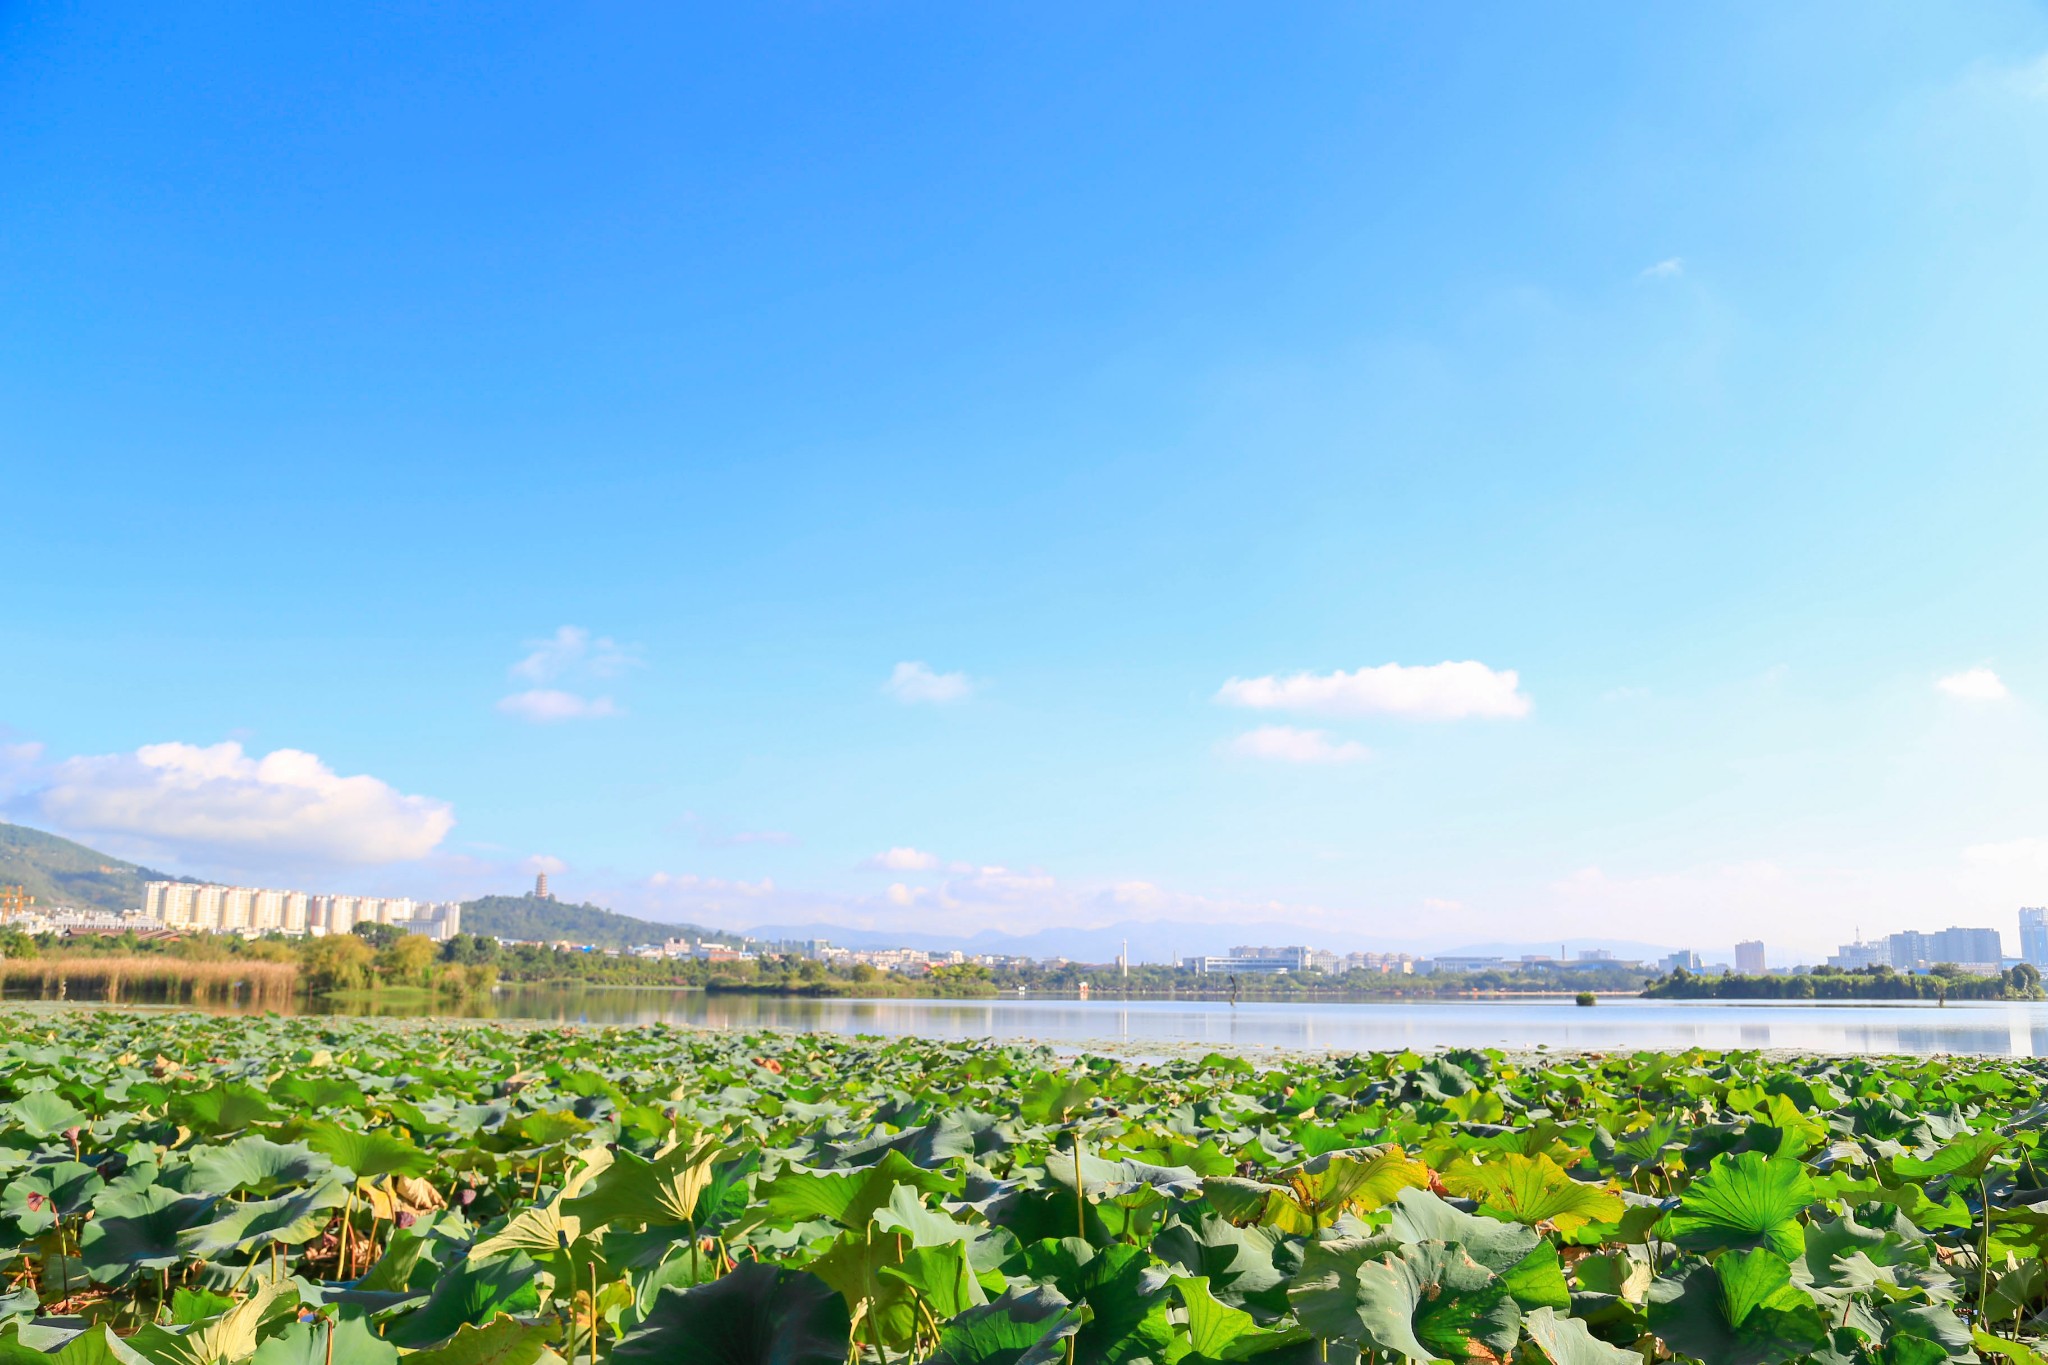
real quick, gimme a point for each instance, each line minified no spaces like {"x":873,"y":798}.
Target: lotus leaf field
{"x":190,"y":1190}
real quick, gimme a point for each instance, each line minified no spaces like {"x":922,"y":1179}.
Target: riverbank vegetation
{"x":1944,"y":982}
{"x":315,"y":1191}
{"x":380,"y":958}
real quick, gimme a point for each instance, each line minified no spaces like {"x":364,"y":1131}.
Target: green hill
{"x":58,"y":872}
{"x":529,"y":918}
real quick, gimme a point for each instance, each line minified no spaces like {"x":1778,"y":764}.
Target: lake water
{"x":1617,"y":1022}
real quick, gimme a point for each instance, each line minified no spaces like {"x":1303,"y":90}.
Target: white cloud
{"x":571,"y":649}
{"x":547,"y":705}
{"x":1974,"y":684}
{"x":543,"y":862}
{"x":1445,"y":691}
{"x":1285,"y":744}
{"x":19,"y":761}
{"x":219,"y":800}
{"x":902,"y":860}
{"x":1670,"y":268}
{"x":1439,"y":903}
{"x":747,"y":837}
{"x":914,"y":681}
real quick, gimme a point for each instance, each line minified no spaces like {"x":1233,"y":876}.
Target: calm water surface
{"x":1617,"y":1022}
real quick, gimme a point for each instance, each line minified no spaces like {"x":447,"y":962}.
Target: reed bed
{"x":166,"y":979}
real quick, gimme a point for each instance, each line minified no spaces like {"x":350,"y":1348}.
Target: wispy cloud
{"x":572,"y":649}
{"x":914,"y":681}
{"x":1286,"y":744}
{"x":570,"y":654}
{"x":218,"y":800}
{"x":1445,"y":691}
{"x":1974,"y":684}
{"x":1670,"y":268}
{"x":750,"y":837}
{"x":549,"y":706}
{"x":901,"y":860}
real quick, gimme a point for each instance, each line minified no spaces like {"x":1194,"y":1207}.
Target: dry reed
{"x":167,"y":979}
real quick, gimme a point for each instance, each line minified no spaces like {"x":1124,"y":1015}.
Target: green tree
{"x":409,"y":961}
{"x":378,"y":935}
{"x":338,"y":962}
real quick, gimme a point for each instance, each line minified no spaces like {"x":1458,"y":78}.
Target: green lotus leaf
{"x":1744,"y":1201}
{"x":1968,"y":1156}
{"x":941,"y":1277}
{"x":905,"y":1213}
{"x":291,"y":1220}
{"x":369,"y":1154}
{"x":96,"y":1345}
{"x":1566,"y":1341}
{"x":854,"y":1266}
{"x":2018,"y":1352}
{"x":1420,"y":1216}
{"x":258,"y":1166}
{"x":44,"y":1114}
{"x":1107,"y":1179}
{"x":1537,"y":1280}
{"x":222,"y":1108}
{"x":469,"y":1293}
{"x":1235,"y":1262}
{"x":633,"y":1191}
{"x":1024,"y":1327}
{"x":1127,"y":1306}
{"x":135,"y":1230}
{"x":308,"y":1343}
{"x":1324,"y":1295}
{"x":1741,"y":1310}
{"x":848,"y":1198}
{"x":1212,"y":1326}
{"x":1432,"y":1301}
{"x":35,"y":1199}
{"x":504,"y":1340}
{"x":757,"y":1315}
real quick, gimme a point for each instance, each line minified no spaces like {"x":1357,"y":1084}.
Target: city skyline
{"x":1358,"y":474}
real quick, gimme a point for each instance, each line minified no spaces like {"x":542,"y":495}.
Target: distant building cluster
{"x":262,"y":910}
{"x":1247,"y":960}
{"x":1979,"y":951}
{"x":65,"y":919}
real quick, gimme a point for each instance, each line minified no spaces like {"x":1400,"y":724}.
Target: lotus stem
{"x":1080,"y":1192}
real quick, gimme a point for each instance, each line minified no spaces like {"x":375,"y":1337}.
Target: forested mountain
{"x":529,"y":918}
{"x":58,"y":872}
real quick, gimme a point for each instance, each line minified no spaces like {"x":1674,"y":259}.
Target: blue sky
{"x":1685,"y":365}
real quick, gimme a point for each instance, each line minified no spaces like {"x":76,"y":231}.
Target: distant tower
{"x":1123,"y":959}
{"x":540,"y":887}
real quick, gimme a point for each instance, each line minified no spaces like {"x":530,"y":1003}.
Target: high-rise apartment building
{"x":1974,"y":946}
{"x":2034,"y":934}
{"x":258,"y":910}
{"x":1749,"y":958}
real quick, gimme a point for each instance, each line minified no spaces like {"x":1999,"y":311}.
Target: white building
{"x":262,"y":910}
{"x":1852,"y":956}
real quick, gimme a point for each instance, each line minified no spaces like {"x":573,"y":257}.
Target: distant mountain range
{"x":58,"y":872}
{"x":1169,"y":941}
